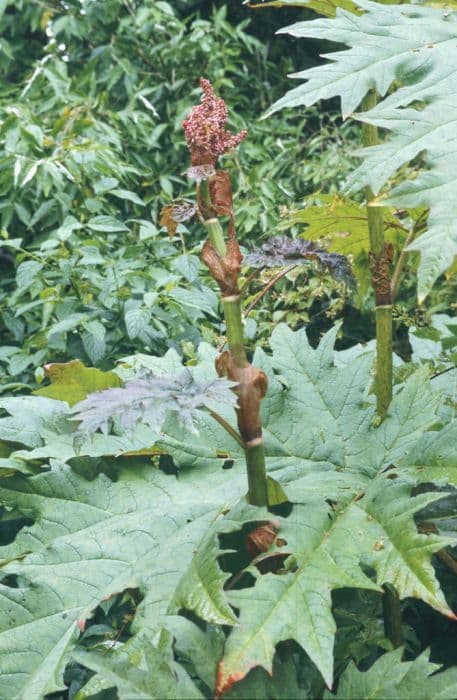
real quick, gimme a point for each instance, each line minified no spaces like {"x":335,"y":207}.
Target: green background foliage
{"x":92,"y":147}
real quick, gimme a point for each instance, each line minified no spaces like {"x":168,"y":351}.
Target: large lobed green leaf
{"x":339,"y":456}
{"x":352,"y":525}
{"x":411,"y":51}
{"x":71,"y":381}
{"x":91,"y":539}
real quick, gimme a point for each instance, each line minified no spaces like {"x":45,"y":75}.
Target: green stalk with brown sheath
{"x":380,"y":259}
{"x":207,"y":140}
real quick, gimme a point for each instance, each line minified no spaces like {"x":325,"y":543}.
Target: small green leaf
{"x":19,"y":362}
{"x":93,"y":340}
{"x":67,"y":324}
{"x":106,"y":224}
{"x":203,"y":301}
{"x":105,"y":184}
{"x":187,"y":266}
{"x":135,"y":322}
{"x":26,"y":273}
{"x":130,"y":196}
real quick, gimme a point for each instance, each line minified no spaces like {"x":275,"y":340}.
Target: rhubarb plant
{"x":245,"y":503}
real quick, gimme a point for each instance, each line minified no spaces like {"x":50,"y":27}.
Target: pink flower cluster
{"x":204,"y":128}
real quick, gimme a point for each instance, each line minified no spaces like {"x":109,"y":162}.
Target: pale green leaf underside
{"x":90,"y":539}
{"x":390,"y":677}
{"x":339,"y":454}
{"x":141,"y":671}
{"x":413,"y":47}
{"x":377,"y":529}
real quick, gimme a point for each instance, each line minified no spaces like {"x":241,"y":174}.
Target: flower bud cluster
{"x":204,"y":128}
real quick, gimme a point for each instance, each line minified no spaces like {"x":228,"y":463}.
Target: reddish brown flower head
{"x":205,"y":129}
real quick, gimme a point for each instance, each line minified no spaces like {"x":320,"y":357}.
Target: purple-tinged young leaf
{"x":280,"y":251}
{"x":149,"y":399}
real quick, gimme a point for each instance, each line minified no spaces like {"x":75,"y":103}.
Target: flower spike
{"x":204,"y":129}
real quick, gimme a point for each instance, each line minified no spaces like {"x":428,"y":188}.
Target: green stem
{"x":254,"y":449}
{"x":257,"y":472}
{"x":235,"y":330}
{"x":383,"y":381}
{"x":216,"y":235}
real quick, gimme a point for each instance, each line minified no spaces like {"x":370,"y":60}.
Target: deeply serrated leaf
{"x":390,"y":677}
{"x":150,"y":399}
{"x":296,"y":605}
{"x":339,"y":456}
{"x":331,"y":552}
{"x":414,"y":50}
{"x":201,"y":589}
{"x":90,"y":540}
{"x":93,"y":538}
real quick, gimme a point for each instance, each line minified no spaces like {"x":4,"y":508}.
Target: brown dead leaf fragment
{"x":176,"y":213}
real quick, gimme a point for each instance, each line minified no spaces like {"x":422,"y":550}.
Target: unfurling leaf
{"x":281,"y":251}
{"x":149,"y":399}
